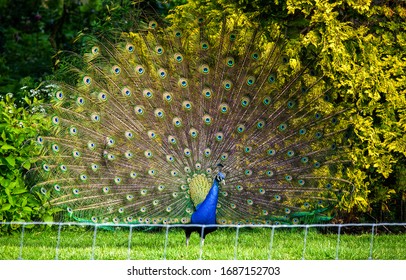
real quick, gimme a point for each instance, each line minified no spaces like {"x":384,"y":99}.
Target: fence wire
{"x":372,"y":226}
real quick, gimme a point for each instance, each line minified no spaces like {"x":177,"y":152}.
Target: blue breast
{"x":205,"y":213}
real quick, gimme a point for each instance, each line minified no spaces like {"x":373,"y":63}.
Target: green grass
{"x":253,"y":244}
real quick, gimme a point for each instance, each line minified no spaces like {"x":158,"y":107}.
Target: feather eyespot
{"x":159,"y":50}
{"x":227,"y":84}
{"x":162,"y":73}
{"x":63,"y":168}
{"x":193,"y":133}
{"x":204,"y":69}
{"x":159,"y":113}
{"x":116,"y":70}
{"x":126,"y":91}
{"x":230,"y":61}
{"x":178,"y":57}
{"x":167,"y":97}
{"x":219,"y":136}
{"x":177,"y":122}
{"x":139,"y":69}
{"x":59,"y":95}
{"x":55,"y":120}
{"x":102,"y":96}
{"x":266,"y":101}
{"x":147,"y":93}
{"x":55,"y":148}
{"x":207,"y":119}
{"x":204,"y":46}
{"x":87,"y":80}
{"x":255,"y":55}
{"x":178,"y":33}
{"x":153,"y":24}
{"x":183,"y":83}
{"x":224,"y":108}
{"x":139,"y":110}
{"x":207,"y":93}
{"x":250,"y":80}
{"x":130,"y":48}
{"x":172,"y":140}
{"x":269,"y":173}
{"x":187,"y":105}
{"x":187,"y":152}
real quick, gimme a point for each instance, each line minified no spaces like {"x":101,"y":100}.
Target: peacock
{"x":194,"y":119}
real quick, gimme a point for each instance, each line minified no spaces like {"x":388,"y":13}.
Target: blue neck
{"x":205,"y":213}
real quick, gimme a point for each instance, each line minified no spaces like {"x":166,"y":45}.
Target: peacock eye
{"x":227,"y":84}
{"x":95,"y":117}
{"x":159,"y":113}
{"x":178,"y":57}
{"x":193,"y":133}
{"x":59,"y":95}
{"x":153,"y":24}
{"x":204,"y":46}
{"x":139,"y":69}
{"x":172,"y":139}
{"x":87,"y":80}
{"x":230,"y":62}
{"x":178,"y":34}
{"x":130,"y":48}
{"x":207,"y":93}
{"x":183,"y":83}
{"x":219,"y":136}
{"x":255,"y":56}
{"x":224,"y":108}
{"x":167,"y":97}
{"x":187,"y":152}
{"x":250,"y":80}
{"x":102,"y":96}
{"x":187,"y":105}
{"x":204,"y":69}
{"x":95,"y":50}
{"x":126,"y":91}
{"x":147,"y":93}
{"x":162,"y":73}
{"x":177,"y":122}
{"x":240,"y":128}
{"x":272,"y":78}
{"x":159,"y":50}
{"x":291,"y":104}
{"x":116,"y":69}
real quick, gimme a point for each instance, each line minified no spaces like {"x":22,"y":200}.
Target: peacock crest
{"x":143,"y":128}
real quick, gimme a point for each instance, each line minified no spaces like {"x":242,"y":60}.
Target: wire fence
{"x":337,"y":230}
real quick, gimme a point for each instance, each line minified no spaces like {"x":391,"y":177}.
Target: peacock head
{"x":220,"y":177}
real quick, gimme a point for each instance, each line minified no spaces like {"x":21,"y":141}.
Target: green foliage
{"x":364,"y":57}
{"x":32,"y":31}
{"x":18,"y":126}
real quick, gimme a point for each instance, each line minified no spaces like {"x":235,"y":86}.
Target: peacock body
{"x":150,"y":125}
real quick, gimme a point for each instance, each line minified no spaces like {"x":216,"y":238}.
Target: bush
{"x":19,"y":126}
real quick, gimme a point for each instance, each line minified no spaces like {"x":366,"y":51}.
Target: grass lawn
{"x":253,"y":244}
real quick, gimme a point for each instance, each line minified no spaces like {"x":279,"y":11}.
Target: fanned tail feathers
{"x":140,"y":128}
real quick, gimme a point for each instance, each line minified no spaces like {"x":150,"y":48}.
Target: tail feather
{"x":148,"y":112}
